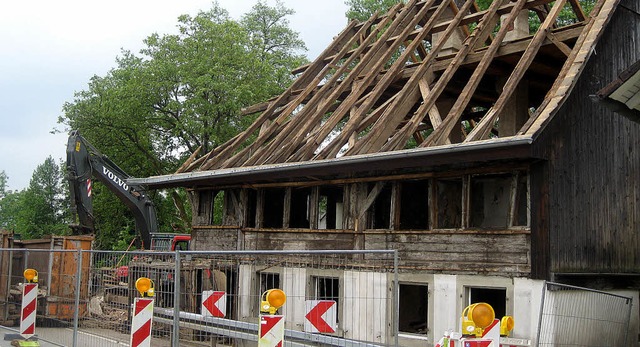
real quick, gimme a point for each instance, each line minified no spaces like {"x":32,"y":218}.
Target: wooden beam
{"x":396,"y":69}
{"x":440,"y":134}
{"x":375,"y":140}
{"x":486,"y":123}
{"x":317,"y":107}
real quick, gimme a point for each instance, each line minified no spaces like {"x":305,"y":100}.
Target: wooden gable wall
{"x":586,"y":197}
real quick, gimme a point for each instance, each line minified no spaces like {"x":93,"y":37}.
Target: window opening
{"x":300,"y":202}
{"x":380,"y":211}
{"x":327,"y":288}
{"x":414,"y":205}
{"x":330,"y":205}
{"x":252,"y":205}
{"x":490,"y":197}
{"x":521,"y":213}
{"x":268,"y":280}
{"x":218,"y":207}
{"x":413,"y":306}
{"x":273,"y":207}
{"x":496,"y":297}
{"x":449,"y":203}
{"x":203,"y":201}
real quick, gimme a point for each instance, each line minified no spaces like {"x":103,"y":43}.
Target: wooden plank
{"x":376,"y":139}
{"x":380,"y":87}
{"x":440,"y":134}
{"x":276,"y":127}
{"x":373,"y":66}
{"x":484,"y":127}
{"x":232,"y":145}
{"x":317,"y":107}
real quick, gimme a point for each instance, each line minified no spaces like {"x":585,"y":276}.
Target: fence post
{"x":175,"y":338}
{"x":626,"y":330}
{"x":542,"y":300}
{"x":78,"y":289}
{"x":396,"y":299}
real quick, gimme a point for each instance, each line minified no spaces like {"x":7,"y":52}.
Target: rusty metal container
{"x":56,"y":258}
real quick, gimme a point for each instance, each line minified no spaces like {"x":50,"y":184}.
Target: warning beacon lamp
{"x":506,"y":325}
{"x":145,"y":286}
{"x":31,"y":275}
{"x":272,"y":300}
{"x":476,"y":317}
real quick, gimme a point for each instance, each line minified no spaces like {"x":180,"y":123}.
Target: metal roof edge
{"x":190,"y":178}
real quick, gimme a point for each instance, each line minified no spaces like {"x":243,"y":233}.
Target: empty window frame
{"x":218,"y":208}
{"x":330,"y":207}
{"x":496,"y":297}
{"x":326,"y":288}
{"x":499,"y":200}
{"x":490,"y":201}
{"x":300,"y":211}
{"x":273,"y":207}
{"x":414,"y":205}
{"x":211,"y":206}
{"x":413,"y":308}
{"x":380,"y":210}
{"x":448,"y":203}
{"x":252,"y":207}
{"x":521,"y":209}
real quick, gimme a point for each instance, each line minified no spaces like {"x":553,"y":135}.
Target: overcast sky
{"x":50,"y":49}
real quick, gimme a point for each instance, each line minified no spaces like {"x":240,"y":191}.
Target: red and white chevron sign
{"x":141,"y":322}
{"x":28,"y":312}
{"x":321,"y":316}
{"x":214,"y":304}
{"x":271,"y":331}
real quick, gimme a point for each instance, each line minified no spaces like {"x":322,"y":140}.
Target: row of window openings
{"x":493,"y":201}
{"x":412,"y":304}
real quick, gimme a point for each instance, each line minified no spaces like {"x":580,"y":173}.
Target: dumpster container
{"x":56,"y":260}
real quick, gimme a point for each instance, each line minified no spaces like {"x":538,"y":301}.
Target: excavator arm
{"x":85,"y":162}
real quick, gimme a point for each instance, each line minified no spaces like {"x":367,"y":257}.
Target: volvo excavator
{"x":85,"y":162}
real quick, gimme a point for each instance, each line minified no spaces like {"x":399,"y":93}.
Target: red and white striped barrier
{"x":141,"y":322}
{"x":28,"y":312}
{"x":271,"y":331}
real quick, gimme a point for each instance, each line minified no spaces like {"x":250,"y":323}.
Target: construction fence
{"x":334,"y":298}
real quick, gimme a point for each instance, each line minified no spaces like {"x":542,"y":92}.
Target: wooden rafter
{"x":421,"y":67}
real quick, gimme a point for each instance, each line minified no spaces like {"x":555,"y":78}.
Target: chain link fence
{"x":350,"y":295}
{"x":574,"y":316}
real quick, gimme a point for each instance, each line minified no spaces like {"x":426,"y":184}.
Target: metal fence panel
{"x":574,"y":316}
{"x":85,"y":297}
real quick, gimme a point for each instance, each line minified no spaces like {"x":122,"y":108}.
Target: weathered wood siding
{"x":592,"y":175}
{"x":505,"y":254}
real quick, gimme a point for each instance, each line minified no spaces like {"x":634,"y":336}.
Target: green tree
{"x":181,"y":92}
{"x":362,"y":10}
{"x":42,"y":208}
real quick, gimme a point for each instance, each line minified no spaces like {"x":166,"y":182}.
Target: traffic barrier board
{"x":321,"y":316}
{"x":141,"y":322}
{"x":271,"y":331}
{"x":214,"y":304}
{"x":28,"y":312}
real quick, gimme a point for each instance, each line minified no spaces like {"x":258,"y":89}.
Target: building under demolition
{"x":466,"y":139}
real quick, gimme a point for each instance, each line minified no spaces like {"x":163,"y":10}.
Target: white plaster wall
{"x":245,"y":283}
{"x":527,"y":298}
{"x":365,"y":306}
{"x":445,"y":303}
{"x":294,"y":286}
